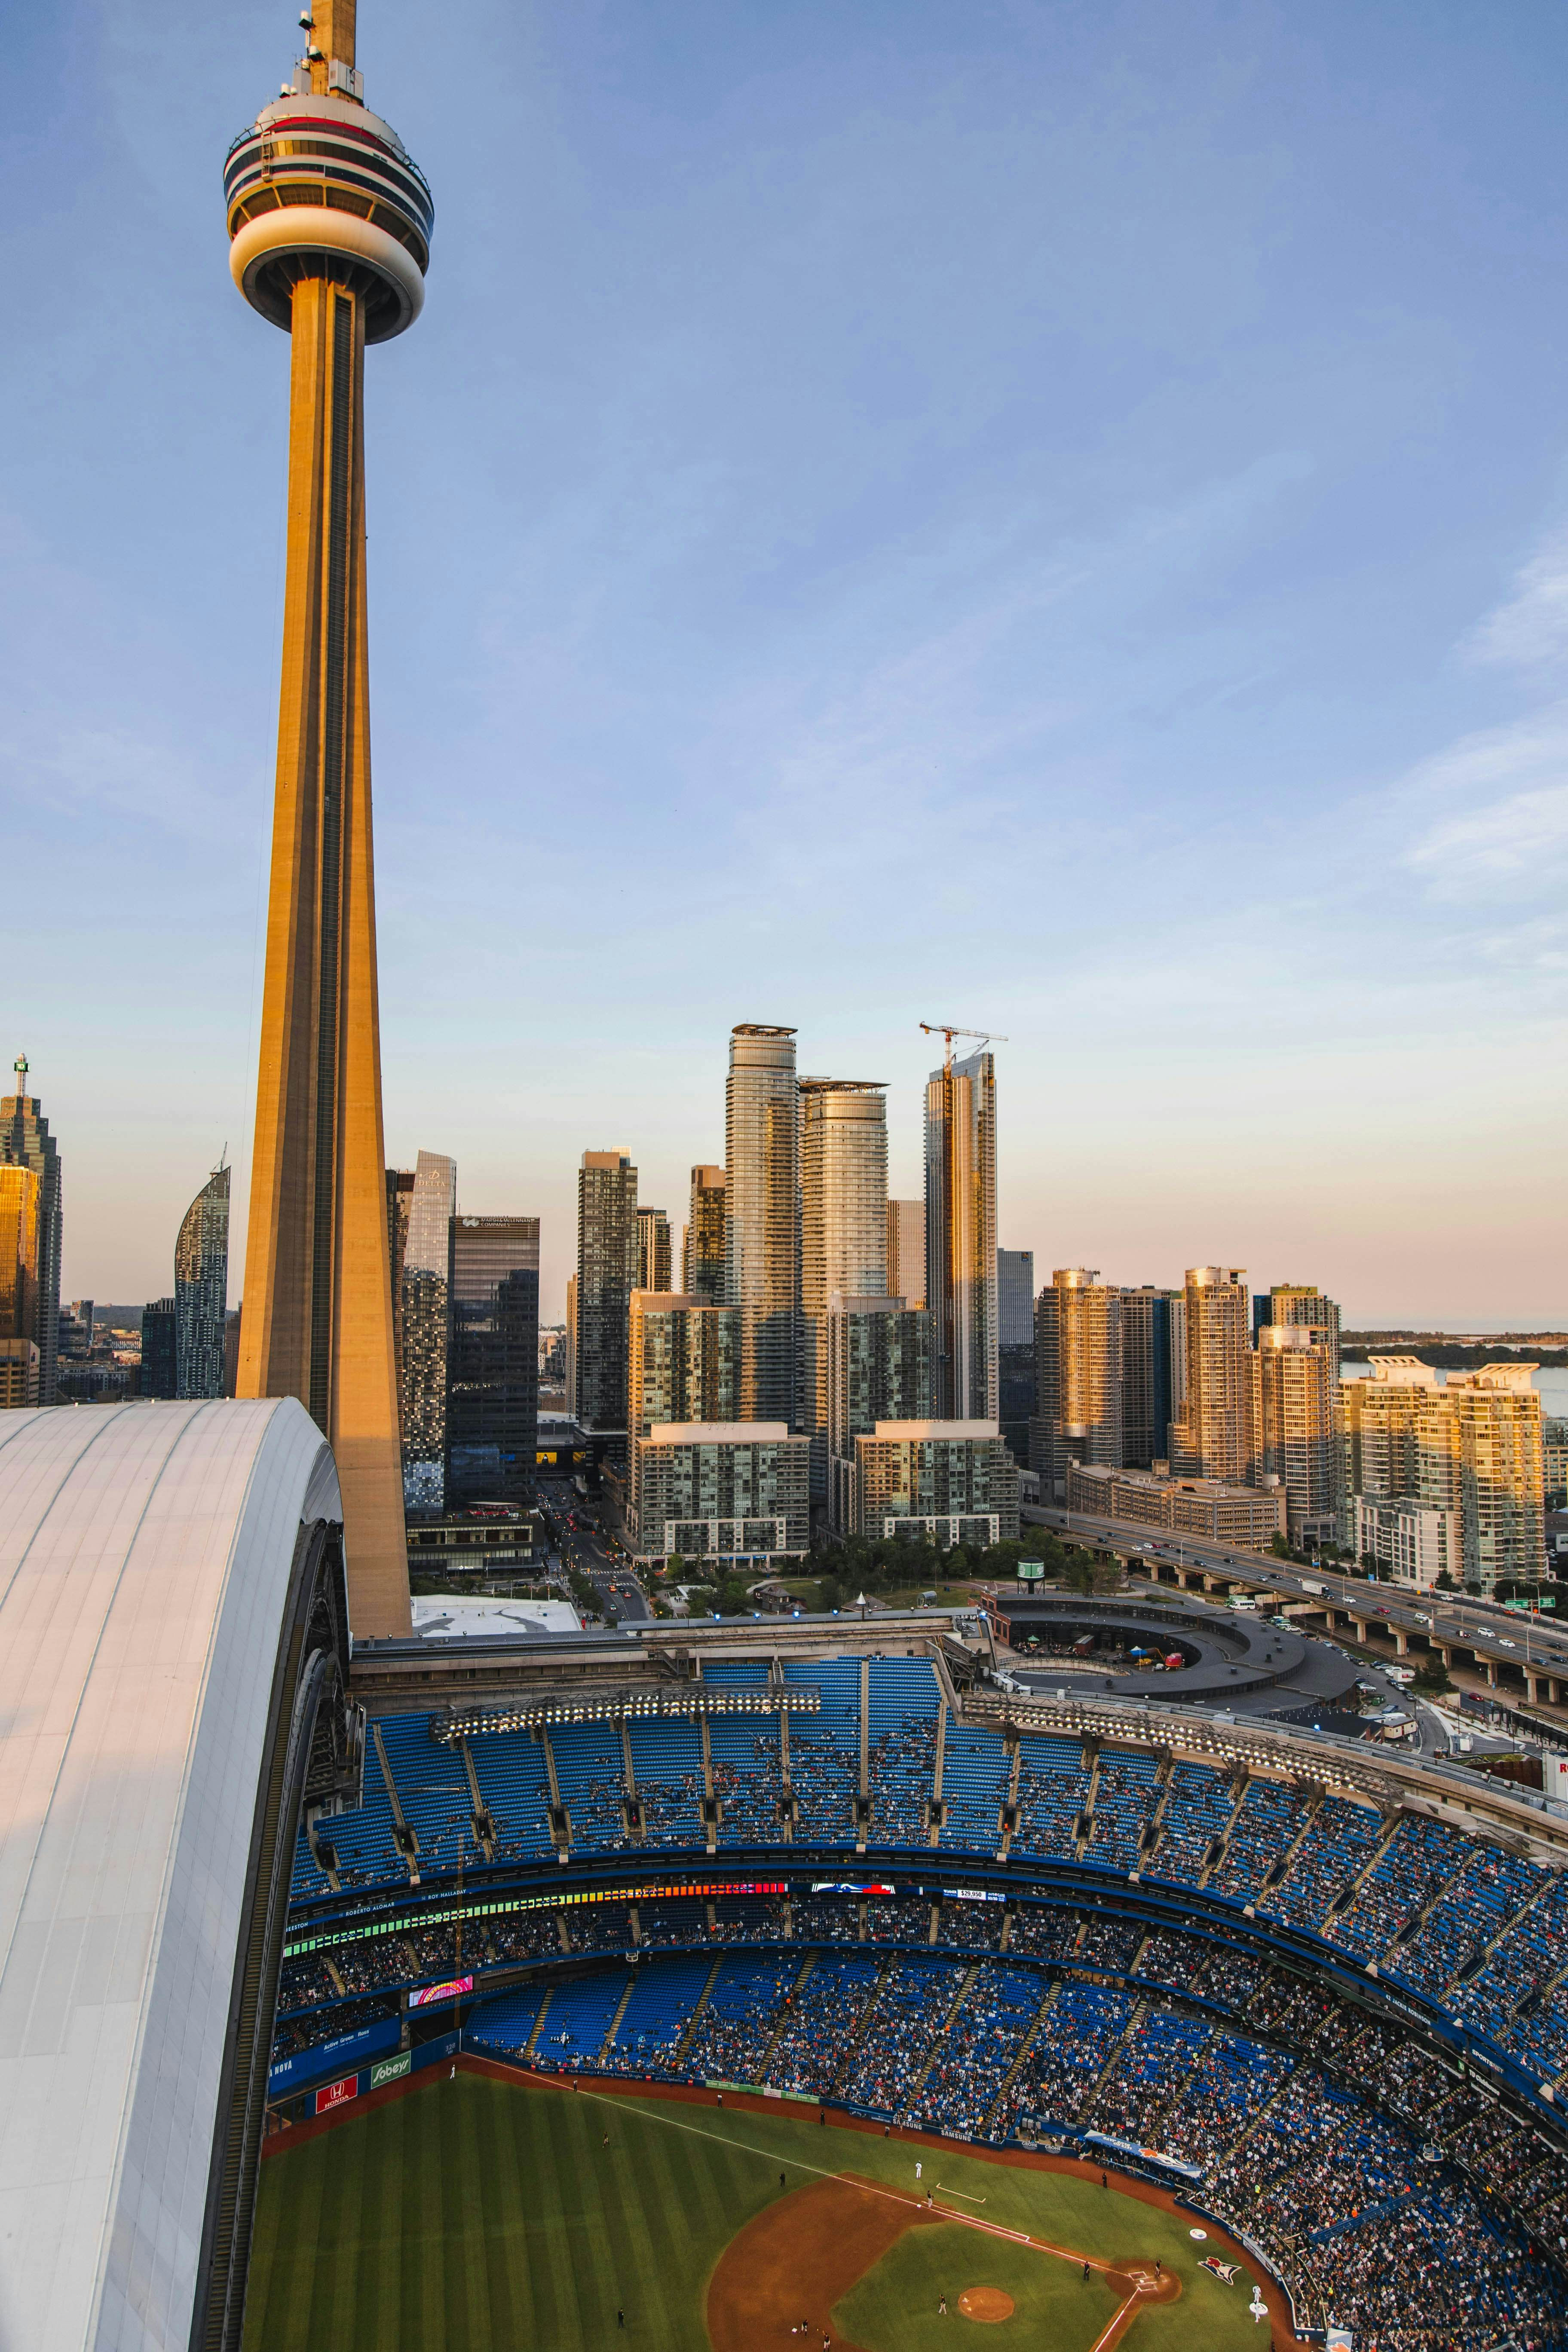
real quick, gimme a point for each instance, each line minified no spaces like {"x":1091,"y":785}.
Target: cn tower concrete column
{"x":299,"y":187}
{"x":318,"y":1302}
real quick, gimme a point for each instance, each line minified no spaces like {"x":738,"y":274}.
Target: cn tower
{"x":329,"y":225}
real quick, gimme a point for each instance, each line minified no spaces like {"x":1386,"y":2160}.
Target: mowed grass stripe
{"x":480,"y":2216}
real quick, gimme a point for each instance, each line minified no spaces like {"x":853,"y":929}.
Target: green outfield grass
{"x":480,"y":2216}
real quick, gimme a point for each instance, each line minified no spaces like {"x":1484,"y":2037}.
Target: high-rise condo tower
{"x":960,"y":1235}
{"x":761,"y":1216}
{"x":330,"y":224}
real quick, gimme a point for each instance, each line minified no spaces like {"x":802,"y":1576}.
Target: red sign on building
{"x":336,"y":2094}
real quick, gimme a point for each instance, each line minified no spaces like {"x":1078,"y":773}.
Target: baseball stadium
{"x":797,"y":1983}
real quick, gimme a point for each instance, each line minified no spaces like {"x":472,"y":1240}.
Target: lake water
{"x":1552,"y":1384}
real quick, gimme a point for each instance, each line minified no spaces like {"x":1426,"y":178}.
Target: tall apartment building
{"x":1077,"y":1375}
{"x":21,"y":1192}
{"x":1299,"y":1303}
{"x":1213,"y":1436}
{"x":960,"y":1236}
{"x":201,"y":1290}
{"x":843,"y":1232}
{"x":762,"y":1233}
{"x":1153,"y":1339}
{"x":606,"y":1276}
{"x":655,"y":1267}
{"x":572,"y":1345}
{"x":25,"y":1142}
{"x":1294,"y":1394}
{"x":425,"y":1308}
{"x":703,"y":1249}
{"x":907,"y":1251}
{"x":1016,"y":1384}
{"x":681,"y":1367}
{"x":492,"y":1361}
{"x":725,"y":1492}
{"x":952,"y":1480}
{"x":879,"y":1369}
{"x":1472,"y":1447}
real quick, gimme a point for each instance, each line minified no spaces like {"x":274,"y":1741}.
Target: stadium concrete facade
{"x":174,"y":1655}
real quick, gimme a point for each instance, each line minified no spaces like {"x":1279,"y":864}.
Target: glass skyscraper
{"x":25,"y":1142}
{"x":1015,"y":1393}
{"x":655,"y":1263}
{"x":761,"y":1158}
{"x":702,"y":1259}
{"x":422,"y":1381}
{"x":201,"y":1290}
{"x":19,"y":1196}
{"x":961,"y":1237}
{"x":492,"y":1384}
{"x":606,"y":1276}
{"x":843,"y":1231}
{"x":161,"y":1348}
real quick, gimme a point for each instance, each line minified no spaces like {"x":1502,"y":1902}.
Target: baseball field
{"x":485,"y":2215}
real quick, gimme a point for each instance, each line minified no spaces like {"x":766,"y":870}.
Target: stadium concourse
{"x":1326,"y":2008}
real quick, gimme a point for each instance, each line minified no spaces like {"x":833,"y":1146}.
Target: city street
{"x":583,"y":1548}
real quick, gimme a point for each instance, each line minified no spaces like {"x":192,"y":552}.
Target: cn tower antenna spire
{"x":329,"y":225}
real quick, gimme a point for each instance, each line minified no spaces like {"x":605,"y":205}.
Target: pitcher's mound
{"x":985,"y":2303}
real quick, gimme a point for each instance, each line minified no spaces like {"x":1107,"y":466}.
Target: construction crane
{"x":949,"y":1030}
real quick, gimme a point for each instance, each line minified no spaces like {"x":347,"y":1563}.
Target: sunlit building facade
{"x":1294,"y":1387}
{"x":879,"y":1369}
{"x":20,"y":1195}
{"x":960,"y":1236}
{"x":1212,"y":1435}
{"x":724,"y":1492}
{"x":843,"y":1232}
{"x":1303,"y":1304}
{"x":655,"y":1267}
{"x":954,"y":1481}
{"x":1077,"y":1375}
{"x":1473,"y":1445}
{"x":25,"y":1142}
{"x":201,"y":1290}
{"x":762,"y":1232}
{"x":907,"y":1250}
{"x":703,"y":1253}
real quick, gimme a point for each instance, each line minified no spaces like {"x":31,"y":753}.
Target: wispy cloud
{"x":1530,"y":629}
{"x":1509,"y":836}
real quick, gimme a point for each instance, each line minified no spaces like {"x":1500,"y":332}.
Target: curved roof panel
{"x":146,"y":1560}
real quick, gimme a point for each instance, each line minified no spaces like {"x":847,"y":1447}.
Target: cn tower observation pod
{"x":174,"y":1659}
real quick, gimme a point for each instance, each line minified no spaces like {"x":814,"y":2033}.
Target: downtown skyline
{"x":1207,"y":710}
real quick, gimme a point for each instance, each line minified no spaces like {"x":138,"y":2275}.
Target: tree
{"x":1445,"y":1581}
{"x":1281,"y":1547}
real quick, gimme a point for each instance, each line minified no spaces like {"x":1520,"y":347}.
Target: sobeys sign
{"x":388,"y":2070}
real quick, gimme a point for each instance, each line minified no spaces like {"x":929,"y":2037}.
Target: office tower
{"x":960,"y":1236}
{"x":1213,"y":1436}
{"x":161,"y":1348}
{"x":399,"y":1202}
{"x":726,"y":1493}
{"x":762,"y":1231}
{"x":426,"y":1308}
{"x":25,"y":1142}
{"x":1293,"y":1397}
{"x":1149,"y":1349}
{"x":572,"y":1345}
{"x":492,"y":1360}
{"x":21,"y":1194}
{"x":233,"y":1322}
{"x":703,"y":1251}
{"x":1473,"y":1446}
{"x":329,"y":225}
{"x":1301,"y":1305}
{"x":907,"y":1251}
{"x":201,"y":1290}
{"x":654,"y":1265}
{"x":1015,"y":1385}
{"x":954,"y":1481}
{"x":843,"y":1231}
{"x":606,"y":1276}
{"x":1077,"y":1375}
{"x":879,"y":1369}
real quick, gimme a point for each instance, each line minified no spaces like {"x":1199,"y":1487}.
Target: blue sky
{"x":1048,"y":515}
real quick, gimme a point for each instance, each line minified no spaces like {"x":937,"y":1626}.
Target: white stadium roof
{"x":146,"y":1559}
